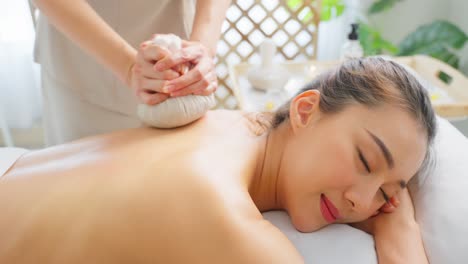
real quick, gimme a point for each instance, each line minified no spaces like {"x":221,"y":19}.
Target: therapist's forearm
{"x":79,"y":22}
{"x":402,"y":244}
{"x":209,"y":17}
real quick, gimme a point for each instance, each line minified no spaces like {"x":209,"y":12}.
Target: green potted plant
{"x":439,"y":39}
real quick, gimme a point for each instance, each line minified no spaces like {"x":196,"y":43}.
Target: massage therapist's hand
{"x":201,"y":78}
{"x":144,"y":79}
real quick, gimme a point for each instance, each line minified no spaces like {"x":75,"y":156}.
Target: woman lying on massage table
{"x":340,"y":151}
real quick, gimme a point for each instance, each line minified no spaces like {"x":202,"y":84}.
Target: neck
{"x":264,"y":187}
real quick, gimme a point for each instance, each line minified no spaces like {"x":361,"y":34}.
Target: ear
{"x":304,"y":108}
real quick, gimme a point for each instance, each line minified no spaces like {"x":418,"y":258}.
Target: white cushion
{"x":334,"y":244}
{"x":441,"y":198}
{"x":8,"y":157}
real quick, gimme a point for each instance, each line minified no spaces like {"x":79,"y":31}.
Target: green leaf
{"x":330,"y":7}
{"x":381,"y":5}
{"x":438,"y":39}
{"x":388,"y":46}
{"x":372,"y":41}
{"x":293,"y":4}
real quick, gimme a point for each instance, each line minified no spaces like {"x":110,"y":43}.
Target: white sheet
{"x":334,"y":244}
{"x":8,"y":157}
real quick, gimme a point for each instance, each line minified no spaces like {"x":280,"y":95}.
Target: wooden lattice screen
{"x":292,"y":24}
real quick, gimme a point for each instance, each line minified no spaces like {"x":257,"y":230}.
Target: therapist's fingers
{"x":181,"y":56}
{"x":152,"y":85}
{"x":191,"y":77}
{"x":204,"y":70}
{"x":209,"y":90}
{"x":209,"y":82}
{"x":191,"y":51}
{"x":151,"y":98}
{"x":152,"y":52}
{"x":147,"y":71}
{"x":205,"y":86}
{"x":199,"y":88}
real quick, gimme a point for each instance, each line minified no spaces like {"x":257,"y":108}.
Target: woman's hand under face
{"x":201,"y":79}
{"x":397,"y":213}
{"x":145,"y":80}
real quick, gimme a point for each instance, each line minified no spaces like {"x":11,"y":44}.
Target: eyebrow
{"x":387,"y":154}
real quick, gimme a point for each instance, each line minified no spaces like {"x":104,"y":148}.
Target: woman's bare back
{"x":143,"y":192}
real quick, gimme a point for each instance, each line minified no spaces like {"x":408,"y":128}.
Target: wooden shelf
{"x":430,"y":69}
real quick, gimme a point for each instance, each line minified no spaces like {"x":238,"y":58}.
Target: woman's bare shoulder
{"x":251,"y":239}
{"x":231,"y":223}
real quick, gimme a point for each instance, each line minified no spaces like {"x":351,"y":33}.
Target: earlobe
{"x":303,"y":108}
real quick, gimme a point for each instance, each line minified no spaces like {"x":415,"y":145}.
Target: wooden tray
{"x":447,"y":81}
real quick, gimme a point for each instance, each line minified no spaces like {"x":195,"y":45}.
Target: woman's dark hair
{"x":370,"y":81}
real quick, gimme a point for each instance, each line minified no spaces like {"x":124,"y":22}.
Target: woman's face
{"x":336,"y":168}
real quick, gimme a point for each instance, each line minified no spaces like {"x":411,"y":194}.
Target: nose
{"x":361,"y":199}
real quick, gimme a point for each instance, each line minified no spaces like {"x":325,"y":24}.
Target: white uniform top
{"x":135,"y":21}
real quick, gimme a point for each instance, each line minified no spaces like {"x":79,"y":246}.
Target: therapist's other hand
{"x":201,"y":79}
{"x":147,"y":82}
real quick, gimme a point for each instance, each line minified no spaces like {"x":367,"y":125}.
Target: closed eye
{"x":366,"y":165}
{"x":364,"y":160}
{"x":385,"y":196}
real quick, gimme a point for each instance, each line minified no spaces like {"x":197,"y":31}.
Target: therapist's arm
{"x":79,"y":22}
{"x":209,"y":17}
{"x":199,"y":51}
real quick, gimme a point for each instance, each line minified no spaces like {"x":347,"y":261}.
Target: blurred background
{"x":302,"y":30}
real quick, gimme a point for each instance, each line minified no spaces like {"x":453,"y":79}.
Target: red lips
{"x":328,"y":209}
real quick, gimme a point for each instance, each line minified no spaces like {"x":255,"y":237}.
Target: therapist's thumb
{"x":152,"y":52}
{"x":183,"y":56}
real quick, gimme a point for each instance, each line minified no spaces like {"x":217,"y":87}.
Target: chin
{"x":306,"y":224}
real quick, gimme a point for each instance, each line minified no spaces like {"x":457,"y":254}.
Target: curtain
{"x":20,"y":104}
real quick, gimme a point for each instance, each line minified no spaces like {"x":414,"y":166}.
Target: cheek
{"x":319,"y":166}
{"x":324,"y":167}
{"x":334,"y":165}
